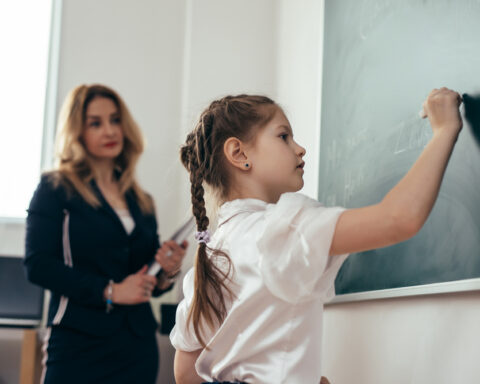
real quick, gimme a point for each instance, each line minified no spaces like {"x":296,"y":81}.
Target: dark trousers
{"x":75,"y":357}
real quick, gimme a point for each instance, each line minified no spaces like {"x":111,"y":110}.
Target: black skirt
{"x":76,"y":357}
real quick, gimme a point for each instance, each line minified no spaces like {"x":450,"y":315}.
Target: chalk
{"x":422,"y":113}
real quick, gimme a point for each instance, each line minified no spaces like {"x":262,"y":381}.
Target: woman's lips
{"x":111,"y":144}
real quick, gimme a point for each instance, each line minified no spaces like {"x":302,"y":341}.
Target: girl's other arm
{"x":404,"y":210}
{"x":184,"y":367}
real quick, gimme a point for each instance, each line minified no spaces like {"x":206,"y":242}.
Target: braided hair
{"x":202,"y":155}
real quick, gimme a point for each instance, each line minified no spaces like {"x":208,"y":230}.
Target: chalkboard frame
{"x":414,"y":290}
{"x":460,"y":285}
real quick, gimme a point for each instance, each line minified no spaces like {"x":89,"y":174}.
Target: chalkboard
{"x":21,"y":302}
{"x":381,"y":59}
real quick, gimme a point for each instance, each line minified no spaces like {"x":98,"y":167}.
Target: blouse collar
{"x":233,"y":208}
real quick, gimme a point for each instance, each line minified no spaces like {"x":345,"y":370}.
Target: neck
{"x":245,"y":189}
{"x":103,"y":171}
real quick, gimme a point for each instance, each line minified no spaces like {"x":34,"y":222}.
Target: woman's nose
{"x":109,"y":128}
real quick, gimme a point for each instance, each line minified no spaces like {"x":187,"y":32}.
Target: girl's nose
{"x":301,"y":151}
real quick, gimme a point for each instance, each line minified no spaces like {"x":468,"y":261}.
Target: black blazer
{"x":74,"y":249}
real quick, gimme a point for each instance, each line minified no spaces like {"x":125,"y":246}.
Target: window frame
{"x":50,"y":106}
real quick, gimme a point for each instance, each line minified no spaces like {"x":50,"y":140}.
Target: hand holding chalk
{"x":423,"y":112}
{"x":442,"y":109}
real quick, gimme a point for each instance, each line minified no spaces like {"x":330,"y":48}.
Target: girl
{"x":253,"y":302}
{"x":91,"y":230}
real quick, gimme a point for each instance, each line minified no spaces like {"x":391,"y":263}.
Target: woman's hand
{"x":134,"y":289}
{"x":170,"y":257}
{"x":441,"y":107}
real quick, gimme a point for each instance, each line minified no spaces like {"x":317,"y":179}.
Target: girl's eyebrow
{"x":287,"y":127}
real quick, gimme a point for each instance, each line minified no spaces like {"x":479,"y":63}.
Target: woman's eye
{"x":116,"y":120}
{"x":94,"y":124}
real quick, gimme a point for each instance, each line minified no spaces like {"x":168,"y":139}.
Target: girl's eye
{"x":284,"y":136}
{"x":116,"y":120}
{"x":94,"y":124}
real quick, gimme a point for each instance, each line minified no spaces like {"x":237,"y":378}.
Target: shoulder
{"x":49,"y":194}
{"x":295,"y":198}
{"x":51,"y":182}
{"x":290,"y":205}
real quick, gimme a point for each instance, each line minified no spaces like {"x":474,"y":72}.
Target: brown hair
{"x":203,"y":157}
{"x":73,"y":163}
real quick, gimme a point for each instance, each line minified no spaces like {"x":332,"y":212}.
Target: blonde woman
{"x":91,"y":231}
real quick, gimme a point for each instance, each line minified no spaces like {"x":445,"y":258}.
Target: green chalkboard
{"x":381,"y":59}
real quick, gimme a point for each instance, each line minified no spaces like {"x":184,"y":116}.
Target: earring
{"x":247,"y":165}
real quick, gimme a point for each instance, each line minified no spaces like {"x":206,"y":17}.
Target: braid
{"x":202,"y":155}
{"x":208,"y":302}
{"x":198,"y":201}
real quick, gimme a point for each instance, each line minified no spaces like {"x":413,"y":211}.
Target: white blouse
{"x":282,"y":277}
{"x":126,"y":219}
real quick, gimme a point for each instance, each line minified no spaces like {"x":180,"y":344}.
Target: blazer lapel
{"x":105,"y":206}
{"x":134,"y":211}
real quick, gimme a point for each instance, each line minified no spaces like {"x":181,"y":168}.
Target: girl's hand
{"x":170,"y":257}
{"x":134,"y":289}
{"x":441,"y":107}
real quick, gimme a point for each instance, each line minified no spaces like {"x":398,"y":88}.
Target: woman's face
{"x":102,"y":134}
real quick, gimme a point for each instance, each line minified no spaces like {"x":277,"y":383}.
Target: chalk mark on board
{"x":413,"y":133}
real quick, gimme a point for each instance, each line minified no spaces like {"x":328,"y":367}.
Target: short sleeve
{"x":182,"y":336}
{"x":294,"y":249}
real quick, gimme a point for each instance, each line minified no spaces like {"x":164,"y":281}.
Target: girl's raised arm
{"x":406,"y":207}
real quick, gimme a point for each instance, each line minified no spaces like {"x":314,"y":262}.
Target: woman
{"x":91,"y":231}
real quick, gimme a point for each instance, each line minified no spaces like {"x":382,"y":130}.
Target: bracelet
{"x":109,"y":300}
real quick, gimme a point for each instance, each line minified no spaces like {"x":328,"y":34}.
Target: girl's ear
{"x":234,"y":151}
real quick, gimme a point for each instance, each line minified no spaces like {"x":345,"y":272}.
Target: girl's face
{"x":103,"y":135}
{"x":276,"y":159}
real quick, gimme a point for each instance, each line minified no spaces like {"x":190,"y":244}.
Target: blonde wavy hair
{"x":74,"y":165}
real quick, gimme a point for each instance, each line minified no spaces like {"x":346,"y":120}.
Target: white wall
{"x":136,"y":47}
{"x":299,"y":81}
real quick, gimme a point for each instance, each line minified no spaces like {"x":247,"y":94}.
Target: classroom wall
{"x":159,"y":59}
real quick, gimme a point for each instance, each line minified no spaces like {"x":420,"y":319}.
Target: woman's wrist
{"x":165,"y":279}
{"x":162,"y":282}
{"x":108,"y":296}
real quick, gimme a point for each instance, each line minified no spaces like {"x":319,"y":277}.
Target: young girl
{"x":254,"y":300}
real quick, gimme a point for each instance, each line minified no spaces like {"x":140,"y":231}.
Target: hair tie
{"x":203,"y":236}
